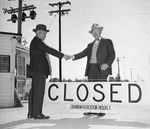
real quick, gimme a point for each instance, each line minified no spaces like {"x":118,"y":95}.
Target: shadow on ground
{"x":84,"y":122}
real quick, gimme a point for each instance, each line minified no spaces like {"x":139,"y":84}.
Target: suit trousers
{"x":36,"y":95}
{"x":94,"y":74}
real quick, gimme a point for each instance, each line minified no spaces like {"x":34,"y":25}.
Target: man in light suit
{"x":100,"y":55}
{"x":39,"y":69}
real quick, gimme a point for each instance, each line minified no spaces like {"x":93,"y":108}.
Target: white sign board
{"x":94,"y":95}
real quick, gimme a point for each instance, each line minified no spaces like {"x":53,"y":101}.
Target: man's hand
{"x":67,"y":57}
{"x":104,"y":66}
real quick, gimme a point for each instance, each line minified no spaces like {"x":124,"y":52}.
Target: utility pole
{"x":60,"y":12}
{"x":118,"y":76}
{"x":124,"y":68}
{"x":131,"y":73}
{"x":21,"y":15}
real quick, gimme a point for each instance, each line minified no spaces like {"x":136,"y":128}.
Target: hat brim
{"x":100,"y":28}
{"x":34,"y":30}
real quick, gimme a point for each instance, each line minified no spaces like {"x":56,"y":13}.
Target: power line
{"x":52,"y":21}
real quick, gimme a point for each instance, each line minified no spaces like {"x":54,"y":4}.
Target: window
{"x":21,"y":65}
{"x":21,"y":87}
{"x":4,"y":63}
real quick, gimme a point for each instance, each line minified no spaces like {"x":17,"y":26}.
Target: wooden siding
{"x":7,"y":47}
{"x":6,"y":92}
{"x":6,"y":44}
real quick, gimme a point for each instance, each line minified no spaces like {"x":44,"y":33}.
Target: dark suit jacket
{"x":38,"y":61}
{"x":105,"y":54}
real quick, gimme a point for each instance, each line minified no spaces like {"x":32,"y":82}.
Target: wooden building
{"x":14,"y":58}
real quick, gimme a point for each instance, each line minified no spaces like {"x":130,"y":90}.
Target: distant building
{"x":14,"y":58}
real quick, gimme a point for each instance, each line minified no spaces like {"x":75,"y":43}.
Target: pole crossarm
{"x":14,"y":10}
{"x":57,"y":11}
{"x":59,"y":3}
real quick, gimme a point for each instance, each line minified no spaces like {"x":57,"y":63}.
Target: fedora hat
{"x":40,"y":27}
{"x":95,"y":26}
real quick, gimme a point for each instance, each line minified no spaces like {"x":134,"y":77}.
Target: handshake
{"x":67,"y":57}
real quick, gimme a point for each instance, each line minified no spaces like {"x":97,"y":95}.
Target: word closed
{"x":95,"y":92}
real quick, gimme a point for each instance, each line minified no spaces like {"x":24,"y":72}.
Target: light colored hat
{"x":95,"y":26}
{"x":40,"y":27}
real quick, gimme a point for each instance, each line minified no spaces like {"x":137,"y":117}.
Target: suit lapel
{"x":100,"y":44}
{"x":90,"y":49}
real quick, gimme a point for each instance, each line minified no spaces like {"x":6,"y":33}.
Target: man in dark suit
{"x":100,"y":55}
{"x":39,"y":69}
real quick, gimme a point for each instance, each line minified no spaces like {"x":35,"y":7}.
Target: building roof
{"x":10,"y":33}
{"x":19,"y":46}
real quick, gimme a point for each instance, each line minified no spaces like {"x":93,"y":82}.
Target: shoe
{"x":41,"y":117}
{"x":89,"y":113}
{"x":29,"y":116}
{"x":100,"y":114}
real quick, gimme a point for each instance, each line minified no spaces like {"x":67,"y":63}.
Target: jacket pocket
{"x":104,"y":72}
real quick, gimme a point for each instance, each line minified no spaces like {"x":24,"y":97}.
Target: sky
{"x":125,"y":22}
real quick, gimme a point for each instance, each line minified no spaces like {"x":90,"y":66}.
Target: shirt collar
{"x":98,"y":39}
